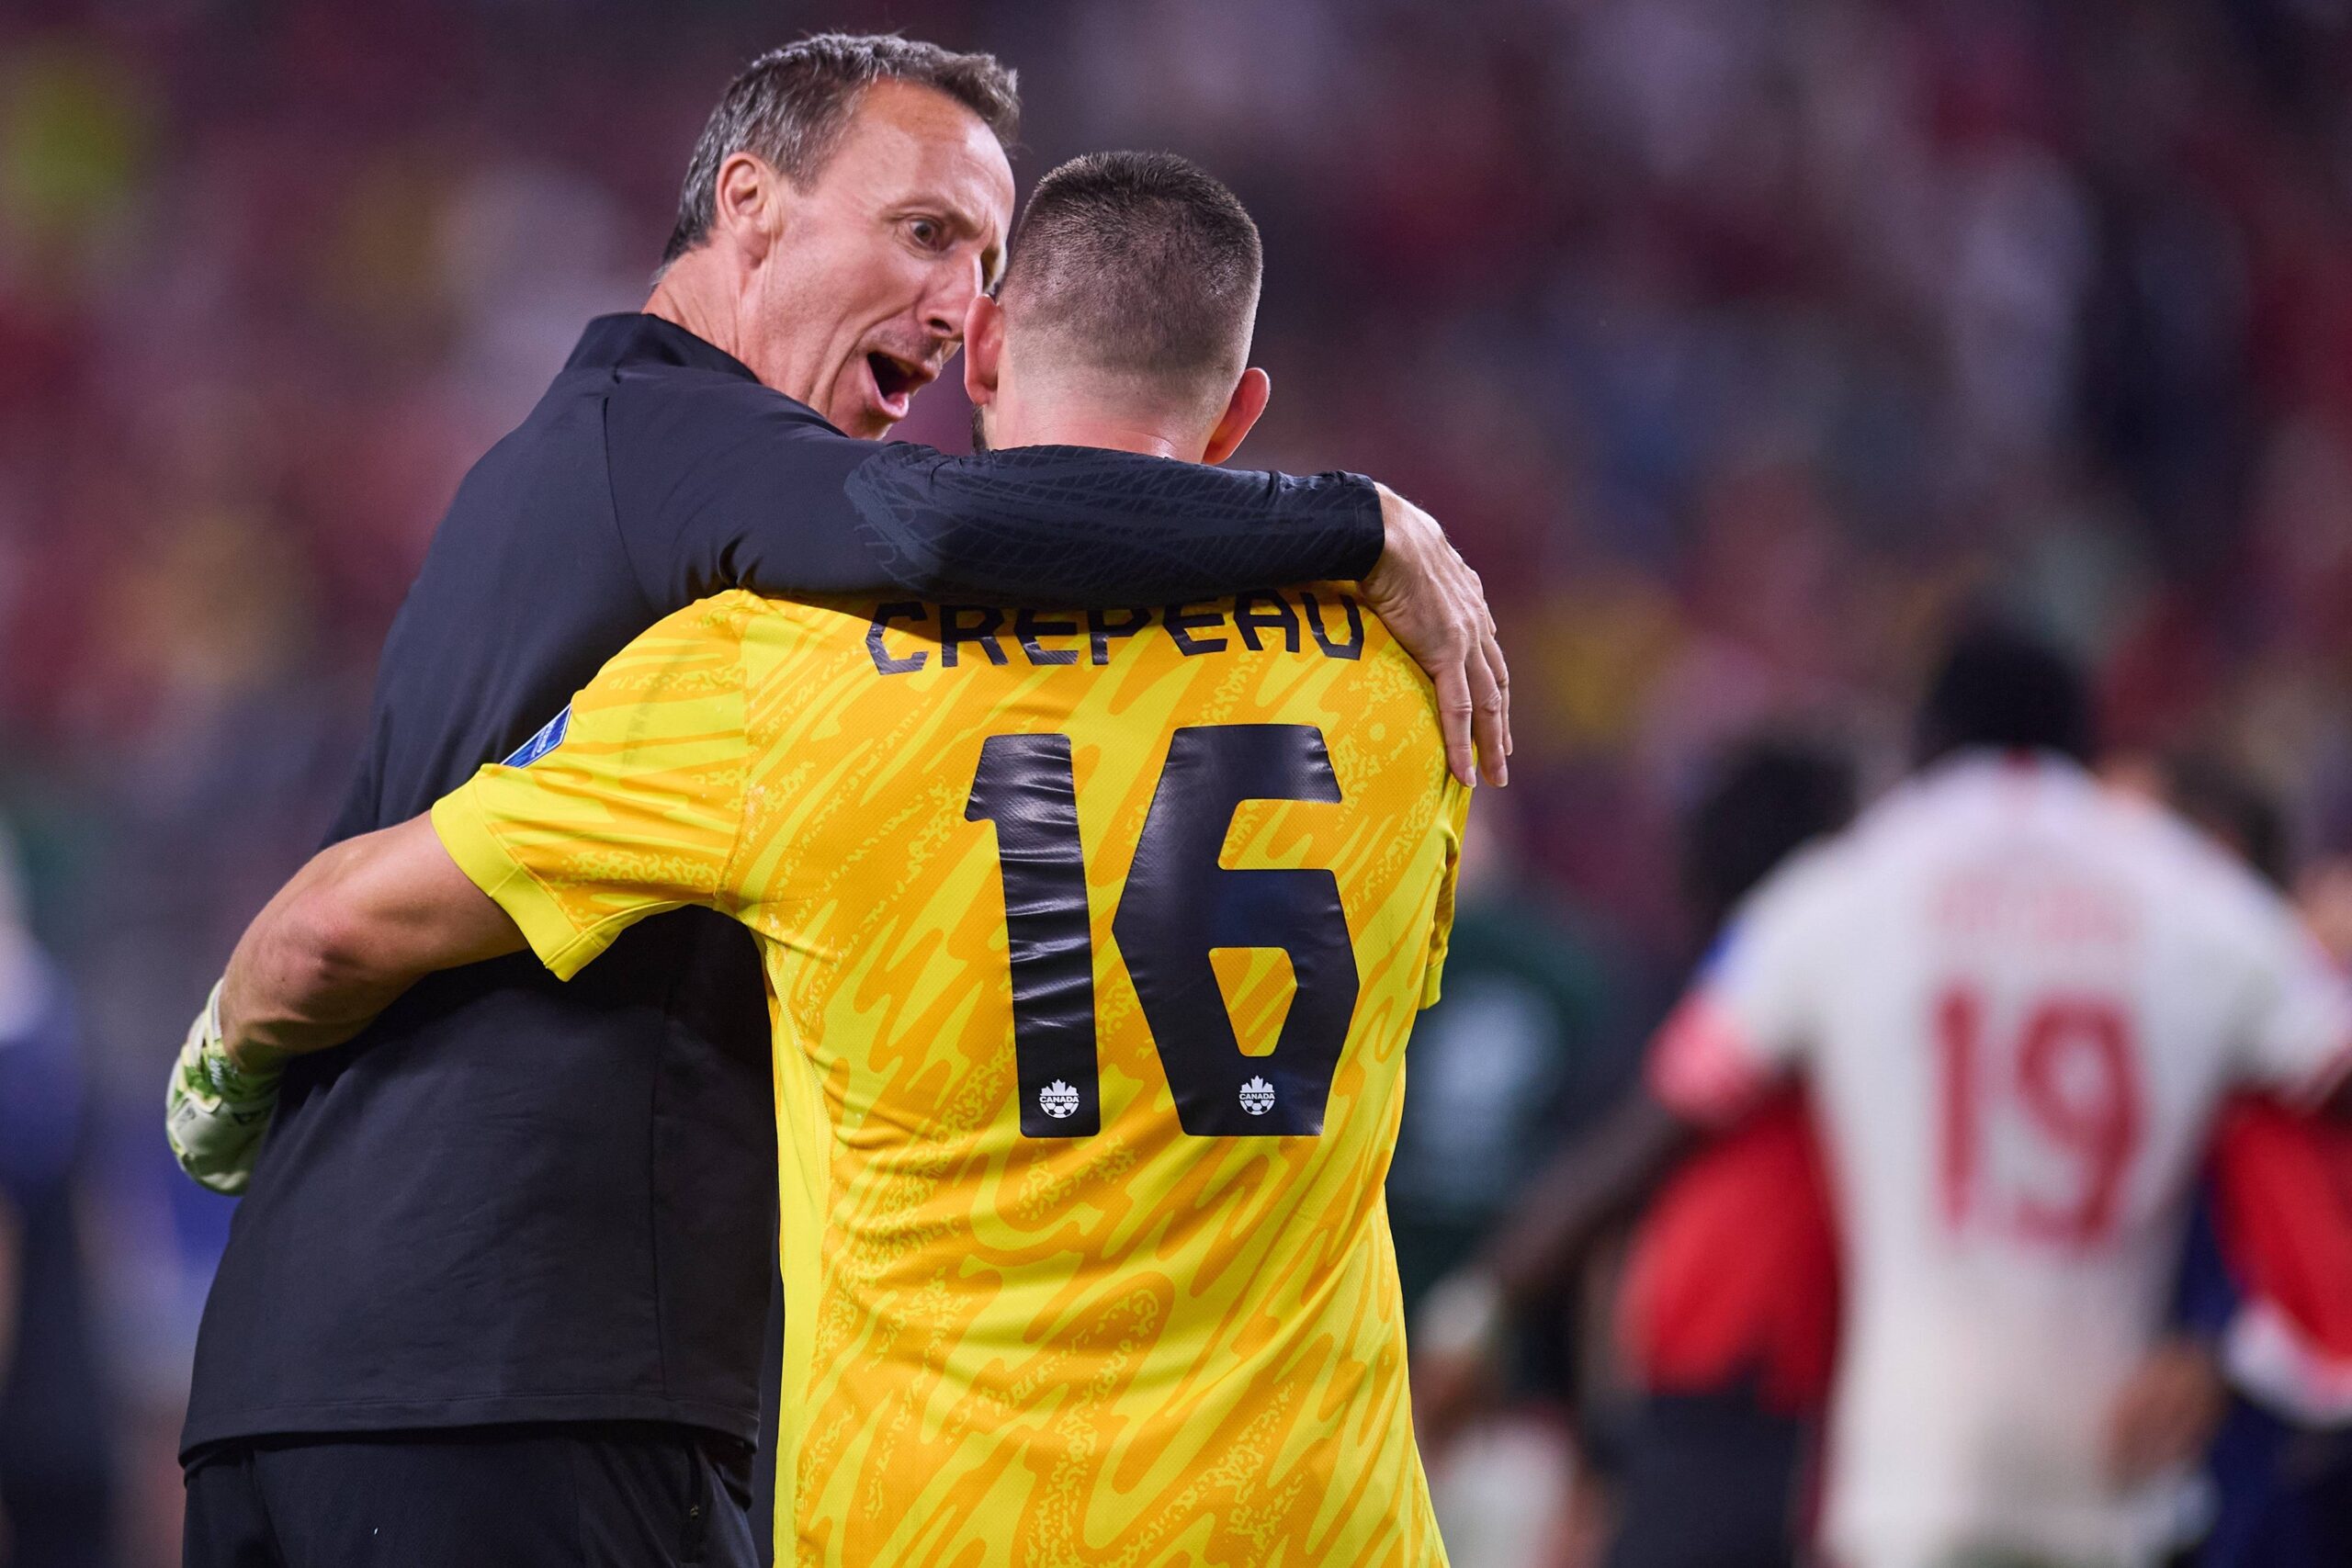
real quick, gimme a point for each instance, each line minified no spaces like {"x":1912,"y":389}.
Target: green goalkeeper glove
{"x":216,"y":1112}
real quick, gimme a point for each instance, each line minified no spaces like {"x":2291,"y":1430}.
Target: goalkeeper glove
{"x":216,"y":1112}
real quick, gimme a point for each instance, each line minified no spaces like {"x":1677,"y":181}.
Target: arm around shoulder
{"x":734,"y":486}
{"x":731,"y":485}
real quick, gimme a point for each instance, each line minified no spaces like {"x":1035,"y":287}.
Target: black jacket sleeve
{"x":721,"y":483}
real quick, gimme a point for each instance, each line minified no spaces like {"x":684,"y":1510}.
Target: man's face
{"x":861,"y":301}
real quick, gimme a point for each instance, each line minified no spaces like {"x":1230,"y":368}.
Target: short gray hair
{"x":790,"y":105}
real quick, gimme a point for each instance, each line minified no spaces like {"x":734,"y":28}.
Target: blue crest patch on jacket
{"x":550,"y":737}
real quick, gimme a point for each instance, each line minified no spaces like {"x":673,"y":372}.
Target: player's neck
{"x":1116,"y":432}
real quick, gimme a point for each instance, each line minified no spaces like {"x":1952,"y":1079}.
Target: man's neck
{"x":688,"y":294}
{"x":1113,"y":436}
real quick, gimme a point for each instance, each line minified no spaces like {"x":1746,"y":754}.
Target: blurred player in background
{"x":2016,"y":998}
{"x":2268,"y":1292}
{"x":1729,"y":1310}
{"x":56,"y":1475}
{"x":2268,"y":1280}
{"x":1511,"y":1063}
{"x":1521,"y":1055}
{"x":1729,"y":1303}
{"x":1083,"y":1261}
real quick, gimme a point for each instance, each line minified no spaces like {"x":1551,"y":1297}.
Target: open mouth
{"x":896,"y":381}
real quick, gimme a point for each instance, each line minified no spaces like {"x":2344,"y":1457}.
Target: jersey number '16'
{"x":1178,"y":904}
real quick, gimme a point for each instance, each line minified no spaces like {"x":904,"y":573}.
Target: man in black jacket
{"x":479,"y":1285}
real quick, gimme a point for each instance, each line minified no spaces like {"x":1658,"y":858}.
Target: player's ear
{"x":745,"y":204}
{"x":983,"y":349}
{"x":1241,"y":412}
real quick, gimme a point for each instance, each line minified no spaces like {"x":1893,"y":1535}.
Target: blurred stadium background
{"x":1738,"y":341}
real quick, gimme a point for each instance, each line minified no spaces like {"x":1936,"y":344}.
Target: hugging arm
{"x":362,"y":922}
{"x":358,"y":925}
{"x":741,"y":489}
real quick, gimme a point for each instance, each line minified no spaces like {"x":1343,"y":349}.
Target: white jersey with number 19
{"x":2017,"y":998}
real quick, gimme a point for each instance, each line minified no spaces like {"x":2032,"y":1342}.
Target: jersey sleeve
{"x":2297,"y":1025}
{"x":728,"y":485}
{"x":629,"y":803}
{"x":1452,"y":815}
{"x":1748,"y":1014}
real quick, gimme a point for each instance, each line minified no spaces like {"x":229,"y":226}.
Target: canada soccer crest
{"x":1257,"y":1097}
{"x":1057,"y":1100}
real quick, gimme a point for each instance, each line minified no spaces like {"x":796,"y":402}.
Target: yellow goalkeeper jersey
{"x":1092,"y":943}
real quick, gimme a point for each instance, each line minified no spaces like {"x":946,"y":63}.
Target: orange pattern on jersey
{"x":1139,"y":1347}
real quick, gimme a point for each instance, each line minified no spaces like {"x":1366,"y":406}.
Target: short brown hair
{"x":790,"y":105}
{"x":1142,"y":261}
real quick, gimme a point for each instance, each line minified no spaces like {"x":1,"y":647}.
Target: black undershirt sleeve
{"x":721,"y":483}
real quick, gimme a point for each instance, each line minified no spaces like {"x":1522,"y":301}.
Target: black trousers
{"x":563,"y":1495}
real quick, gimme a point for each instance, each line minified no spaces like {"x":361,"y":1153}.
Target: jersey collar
{"x":635,"y":338}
